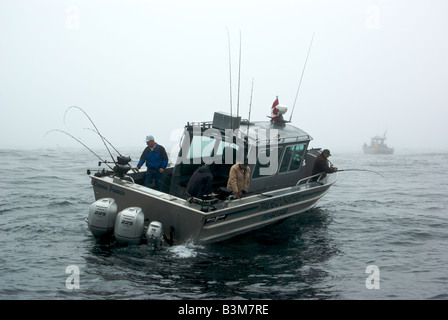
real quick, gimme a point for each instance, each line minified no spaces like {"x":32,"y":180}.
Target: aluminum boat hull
{"x":219,"y":221}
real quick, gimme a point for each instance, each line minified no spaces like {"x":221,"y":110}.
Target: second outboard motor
{"x":154,"y":234}
{"x":129,"y":226}
{"x":102,"y":216}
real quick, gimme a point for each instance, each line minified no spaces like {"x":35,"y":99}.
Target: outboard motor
{"x":129,"y":226}
{"x":102,"y":216}
{"x":154,"y":234}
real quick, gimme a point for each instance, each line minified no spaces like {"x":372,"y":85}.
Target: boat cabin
{"x":377,"y":141}
{"x":275,"y":153}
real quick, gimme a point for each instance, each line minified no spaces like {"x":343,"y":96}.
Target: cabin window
{"x":267,"y":162}
{"x":211,"y":149}
{"x":292,"y":158}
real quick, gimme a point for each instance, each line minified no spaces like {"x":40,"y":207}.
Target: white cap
{"x":149,"y":138}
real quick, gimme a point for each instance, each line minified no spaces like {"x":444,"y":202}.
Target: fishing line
{"x":104,"y":161}
{"x":95,"y":129}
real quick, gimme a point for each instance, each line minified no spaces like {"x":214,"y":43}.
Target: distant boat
{"x":378,"y":146}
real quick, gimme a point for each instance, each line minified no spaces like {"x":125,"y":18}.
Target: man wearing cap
{"x":156,"y":161}
{"x":321,"y":164}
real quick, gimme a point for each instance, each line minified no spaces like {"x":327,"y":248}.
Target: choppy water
{"x":397,"y":222}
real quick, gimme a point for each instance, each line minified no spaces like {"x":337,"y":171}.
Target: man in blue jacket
{"x":156,"y":161}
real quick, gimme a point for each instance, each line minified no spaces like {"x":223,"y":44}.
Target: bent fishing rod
{"x":106,"y":140}
{"x":361,"y":170}
{"x":102,"y":161}
{"x":342,"y":170}
{"x":102,"y":138}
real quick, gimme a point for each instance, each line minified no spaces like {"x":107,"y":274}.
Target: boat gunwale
{"x":231,"y":205}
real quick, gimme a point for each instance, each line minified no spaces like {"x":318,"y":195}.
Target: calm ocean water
{"x":396,"y":223}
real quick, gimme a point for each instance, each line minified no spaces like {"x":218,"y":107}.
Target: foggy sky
{"x":147,"y":67}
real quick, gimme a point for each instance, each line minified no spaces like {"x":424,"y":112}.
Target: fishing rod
{"x":362,"y":170}
{"x":300,"y":82}
{"x":102,"y":161}
{"x":250,"y":107}
{"x":102,"y":138}
{"x":106,"y":140}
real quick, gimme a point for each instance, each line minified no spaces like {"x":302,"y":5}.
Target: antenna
{"x":239,"y":75}
{"x":300,"y":82}
{"x":230,"y":74}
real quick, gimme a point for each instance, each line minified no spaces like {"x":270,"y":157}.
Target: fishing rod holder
{"x":123,"y":160}
{"x":122,"y":166}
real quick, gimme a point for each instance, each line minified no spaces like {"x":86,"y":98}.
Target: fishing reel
{"x":122,"y":166}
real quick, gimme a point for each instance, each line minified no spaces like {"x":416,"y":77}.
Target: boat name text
{"x":109,"y":188}
{"x":215,"y":219}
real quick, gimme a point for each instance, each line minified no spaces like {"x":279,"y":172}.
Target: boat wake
{"x":185,"y":250}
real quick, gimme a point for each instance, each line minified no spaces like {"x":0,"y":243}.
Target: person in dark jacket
{"x":321,"y":164}
{"x":200,"y":183}
{"x":156,"y":161}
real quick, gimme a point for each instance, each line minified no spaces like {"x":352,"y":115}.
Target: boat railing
{"x":267,"y":140}
{"x":283,"y":139}
{"x":315,"y":178}
{"x":201,"y":124}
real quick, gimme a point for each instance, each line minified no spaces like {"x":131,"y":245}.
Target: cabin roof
{"x":264,"y":130}
{"x":257,"y":131}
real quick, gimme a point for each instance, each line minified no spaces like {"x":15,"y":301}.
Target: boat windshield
{"x":210,"y":149}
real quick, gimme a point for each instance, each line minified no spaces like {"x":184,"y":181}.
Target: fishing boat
{"x":378,"y":146}
{"x":281,"y":185}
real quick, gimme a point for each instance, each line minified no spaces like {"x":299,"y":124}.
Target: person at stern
{"x":156,"y":161}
